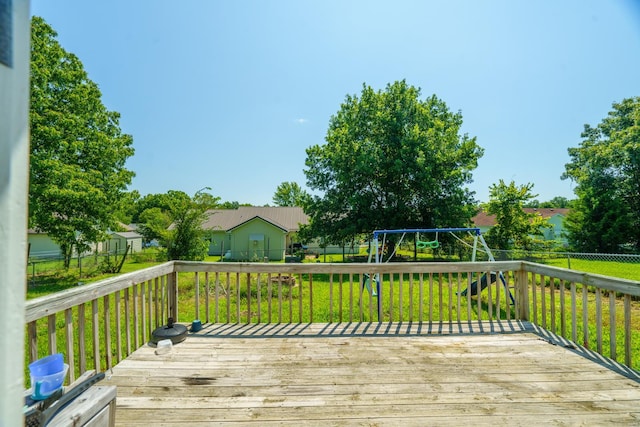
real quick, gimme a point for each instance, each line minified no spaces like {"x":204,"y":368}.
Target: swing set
{"x":376,"y":256}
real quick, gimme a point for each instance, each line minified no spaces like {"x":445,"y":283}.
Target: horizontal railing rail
{"x":100,"y":324}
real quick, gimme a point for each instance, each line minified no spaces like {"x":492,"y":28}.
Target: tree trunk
{"x":67,"y":251}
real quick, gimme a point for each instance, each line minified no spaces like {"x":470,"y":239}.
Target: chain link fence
{"x":544,"y":257}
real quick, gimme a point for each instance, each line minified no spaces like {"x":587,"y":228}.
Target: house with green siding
{"x":252,"y":233}
{"x":41,"y":245}
{"x":119,"y":241}
{"x":554,"y":216}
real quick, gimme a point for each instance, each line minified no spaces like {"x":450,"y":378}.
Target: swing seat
{"x":428,"y":245}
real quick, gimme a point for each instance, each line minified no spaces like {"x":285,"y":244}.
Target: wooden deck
{"x":374,"y":374}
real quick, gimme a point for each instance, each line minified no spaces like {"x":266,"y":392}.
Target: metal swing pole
{"x":376,"y":276}
{"x":475,"y":248}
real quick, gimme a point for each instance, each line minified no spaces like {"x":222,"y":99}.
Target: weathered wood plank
{"x":616,"y":413}
{"x":403,"y":420}
{"x":381,"y":374}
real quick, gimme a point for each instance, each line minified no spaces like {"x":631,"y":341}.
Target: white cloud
{"x":302,"y":121}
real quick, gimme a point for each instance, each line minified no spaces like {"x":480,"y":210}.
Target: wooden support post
{"x":172,"y":295}
{"x":522,"y":295}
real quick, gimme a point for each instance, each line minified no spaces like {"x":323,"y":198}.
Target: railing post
{"x":172,"y":295}
{"x":522,"y":294}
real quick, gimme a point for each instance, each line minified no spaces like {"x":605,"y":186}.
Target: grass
{"x":623,"y":270}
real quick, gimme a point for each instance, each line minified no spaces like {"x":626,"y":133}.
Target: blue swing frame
{"x":473,"y":230}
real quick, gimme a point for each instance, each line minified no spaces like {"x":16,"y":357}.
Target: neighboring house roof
{"x":128,"y":227}
{"x":127,"y":234}
{"x":482,"y":219}
{"x":275,"y":224}
{"x":286,"y":218}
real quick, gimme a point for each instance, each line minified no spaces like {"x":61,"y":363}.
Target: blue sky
{"x":228,"y":94}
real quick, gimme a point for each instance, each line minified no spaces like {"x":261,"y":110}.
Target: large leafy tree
{"x":290,"y":194}
{"x":186,"y":239}
{"x":175,"y":219}
{"x":161,"y":201}
{"x":127,"y":206}
{"x":391,"y":160}
{"x":78,"y":152}
{"x":154,"y":224}
{"x":556,"y":202}
{"x":514,"y":227}
{"x":606,"y":169}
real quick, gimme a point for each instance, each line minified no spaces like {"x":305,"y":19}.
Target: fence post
{"x":522,"y":294}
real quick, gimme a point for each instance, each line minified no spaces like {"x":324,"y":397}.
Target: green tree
{"x":231,"y":205}
{"x":186,"y":239}
{"x":390,"y":161}
{"x":78,"y":152}
{"x":290,"y":194}
{"x":154,"y":224}
{"x":606,"y":169}
{"x":127,"y":206}
{"x":556,"y":202}
{"x":514,"y":227}
{"x":162,"y":201}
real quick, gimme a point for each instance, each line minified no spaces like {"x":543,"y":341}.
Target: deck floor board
{"x":373,"y":374}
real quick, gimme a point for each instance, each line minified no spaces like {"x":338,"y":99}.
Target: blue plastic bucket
{"x":47,"y":365}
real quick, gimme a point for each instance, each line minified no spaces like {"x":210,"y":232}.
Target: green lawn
{"x":624,"y":270}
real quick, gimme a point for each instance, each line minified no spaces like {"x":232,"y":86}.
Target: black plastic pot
{"x":171,"y":331}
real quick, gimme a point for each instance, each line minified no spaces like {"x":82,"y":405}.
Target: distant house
{"x":42,"y":246}
{"x":253,"y":233}
{"x":120,"y":240}
{"x":554,"y":216}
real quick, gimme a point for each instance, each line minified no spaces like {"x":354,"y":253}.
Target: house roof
{"x":127,"y":234}
{"x":275,"y":224}
{"x":128,"y":227}
{"x":286,"y":218}
{"x":482,"y":219}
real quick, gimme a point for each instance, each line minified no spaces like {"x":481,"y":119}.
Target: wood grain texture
{"x":489,"y":373}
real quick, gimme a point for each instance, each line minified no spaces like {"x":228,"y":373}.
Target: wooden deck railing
{"x":121,"y":313}
{"x":594,"y":311}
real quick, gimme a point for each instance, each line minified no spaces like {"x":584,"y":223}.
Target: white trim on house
{"x":14,"y":177}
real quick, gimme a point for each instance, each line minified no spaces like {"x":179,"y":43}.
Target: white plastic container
{"x":164,"y":346}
